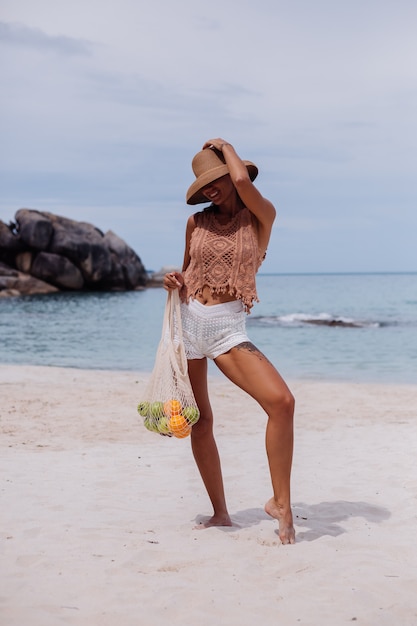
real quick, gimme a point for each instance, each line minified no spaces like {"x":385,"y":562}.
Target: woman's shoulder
{"x":203,"y":215}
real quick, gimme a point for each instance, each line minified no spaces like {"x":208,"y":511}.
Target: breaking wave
{"x":322,"y":319}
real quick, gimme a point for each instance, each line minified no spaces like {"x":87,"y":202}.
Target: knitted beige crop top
{"x":224,"y":257}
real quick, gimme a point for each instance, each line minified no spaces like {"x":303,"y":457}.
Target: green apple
{"x":143,"y":408}
{"x":163,"y":425}
{"x":157,"y":409}
{"x":151,"y":424}
{"x":191,"y":414}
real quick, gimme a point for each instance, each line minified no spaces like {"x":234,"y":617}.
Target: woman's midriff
{"x":208,"y":298}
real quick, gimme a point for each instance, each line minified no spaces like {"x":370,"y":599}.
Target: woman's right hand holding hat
{"x":216,"y":143}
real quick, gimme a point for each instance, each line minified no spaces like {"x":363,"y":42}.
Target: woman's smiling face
{"x":219,"y":190}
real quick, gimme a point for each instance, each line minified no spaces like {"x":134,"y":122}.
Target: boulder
{"x":126,"y":265}
{"x":6,"y":270}
{"x":155,"y":279}
{"x":83,"y":244}
{"x":9,"y":241}
{"x":34,"y":228}
{"x":24,"y":261}
{"x":10,"y":244}
{"x":13,"y":283}
{"x":57,"y":270}
{"x":68,"y":254}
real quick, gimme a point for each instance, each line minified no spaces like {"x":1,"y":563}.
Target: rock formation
{"x":155,"y":279}
{"x":41,"y":253}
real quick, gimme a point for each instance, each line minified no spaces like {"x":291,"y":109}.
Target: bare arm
{"x":260,"y":207}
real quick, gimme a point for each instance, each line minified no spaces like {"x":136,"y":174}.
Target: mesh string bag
{"x":168,"y":406}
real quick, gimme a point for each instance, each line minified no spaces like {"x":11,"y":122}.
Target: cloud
{"x":16,"y":34}
{"x":105,"y":104}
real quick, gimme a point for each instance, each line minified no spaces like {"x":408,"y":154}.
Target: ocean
{"x":344,"y":327}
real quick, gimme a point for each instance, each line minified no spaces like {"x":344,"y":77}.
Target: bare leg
{"x":248,"y":368}
{"x":204,"y":446}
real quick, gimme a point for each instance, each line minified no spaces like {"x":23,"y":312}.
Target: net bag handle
{"x":172,"y":330}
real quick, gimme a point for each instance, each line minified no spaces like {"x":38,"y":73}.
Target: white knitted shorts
{"x":210,"y":331}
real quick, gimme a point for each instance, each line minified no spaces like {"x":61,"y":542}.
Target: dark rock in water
{"x":84,"y":245}
{"x":35,"y":229}
{"x":156,"y":278}
{"x":23,"y":261}
{"x":334,"y":322}
{"x":8,"y":272}
{"x":9,"y":242}
{"x":15,"y":283}
{"x":66,"y":254}
{"x":57,"y":270}
{"x":125,"y":269}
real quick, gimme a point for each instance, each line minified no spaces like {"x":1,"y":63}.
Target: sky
{"x":105,"y":102}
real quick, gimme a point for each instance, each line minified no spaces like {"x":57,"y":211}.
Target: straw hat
{"x":209,"y":165}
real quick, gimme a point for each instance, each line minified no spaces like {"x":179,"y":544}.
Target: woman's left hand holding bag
{"x":173,"y":280}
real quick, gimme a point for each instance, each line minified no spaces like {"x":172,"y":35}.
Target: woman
{"x":225,"y":245}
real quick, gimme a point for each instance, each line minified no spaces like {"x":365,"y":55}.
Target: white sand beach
{"x":98,"y":514}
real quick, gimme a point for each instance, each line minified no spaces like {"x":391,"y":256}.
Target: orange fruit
{"x":172,"y":407}
{"x":179,"y":426}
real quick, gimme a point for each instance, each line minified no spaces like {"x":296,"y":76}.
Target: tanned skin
{"x":245,"y":365}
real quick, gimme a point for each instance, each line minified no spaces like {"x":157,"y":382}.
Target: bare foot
{"x":216,"y":520}
{"x":285,"y":524}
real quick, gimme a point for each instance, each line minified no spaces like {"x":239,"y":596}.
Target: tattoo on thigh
{"x":250,"y":347}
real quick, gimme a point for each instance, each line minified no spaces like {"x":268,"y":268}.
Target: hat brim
{"x":194,"y":194}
